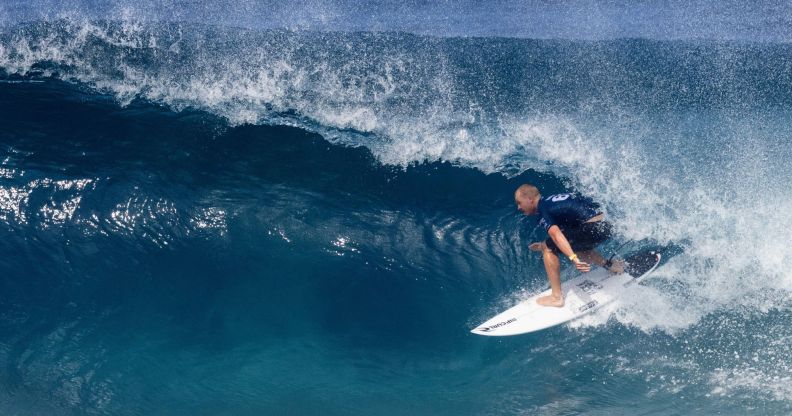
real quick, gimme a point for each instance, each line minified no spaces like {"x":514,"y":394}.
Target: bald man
{"x":575,"y":225}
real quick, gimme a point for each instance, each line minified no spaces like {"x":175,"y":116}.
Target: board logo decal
{"x":588,"y":306}
{"x":496,"y":326}
{"x":589,"y":287}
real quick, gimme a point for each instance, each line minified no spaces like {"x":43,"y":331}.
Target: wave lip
{"x":407,"y":98}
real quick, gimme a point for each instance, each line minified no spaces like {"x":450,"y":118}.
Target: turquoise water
{"x":207,"y":214}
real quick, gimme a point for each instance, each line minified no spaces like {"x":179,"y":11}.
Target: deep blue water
{"x":206,"y":219}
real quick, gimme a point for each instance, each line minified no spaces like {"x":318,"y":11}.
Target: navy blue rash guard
{"x":566,"y":210}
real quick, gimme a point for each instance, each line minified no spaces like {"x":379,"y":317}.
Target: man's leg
{"x":591,"y":234}
{"x":594,"y":257}
{"x":553,"y":269}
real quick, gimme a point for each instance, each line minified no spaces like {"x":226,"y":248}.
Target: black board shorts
{"x":584,"y":237}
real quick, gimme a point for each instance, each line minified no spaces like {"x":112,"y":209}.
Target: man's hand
{"x":539,"y":246}
{"x":583,"y":266}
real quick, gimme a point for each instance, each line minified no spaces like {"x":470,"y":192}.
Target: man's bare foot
{"x":551,"y":300}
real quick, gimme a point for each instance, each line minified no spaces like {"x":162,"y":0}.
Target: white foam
{"x":747,"y":381}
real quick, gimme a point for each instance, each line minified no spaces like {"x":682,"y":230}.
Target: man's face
{"x":524,"y":204}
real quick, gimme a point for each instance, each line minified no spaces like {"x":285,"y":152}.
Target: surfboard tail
{"x":641,"y":263}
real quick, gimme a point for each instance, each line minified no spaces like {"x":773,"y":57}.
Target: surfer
{"x":575,"y":225}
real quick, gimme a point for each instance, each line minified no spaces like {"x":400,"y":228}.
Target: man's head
{"x":527,"y":198}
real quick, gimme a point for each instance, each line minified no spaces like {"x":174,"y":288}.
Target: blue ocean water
{"x":258,"y":208}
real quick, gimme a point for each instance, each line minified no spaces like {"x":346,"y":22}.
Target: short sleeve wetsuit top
{"x":566,"y":210}
{"x":570,"y":213}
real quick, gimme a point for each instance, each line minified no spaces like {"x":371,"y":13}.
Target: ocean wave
{"x":684,"y":143}
{"x":640,"y":125}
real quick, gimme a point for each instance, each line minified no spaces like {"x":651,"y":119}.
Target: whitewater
{"x":265,"y":208}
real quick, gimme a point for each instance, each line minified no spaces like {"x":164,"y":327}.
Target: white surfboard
{"x":582,"y":295}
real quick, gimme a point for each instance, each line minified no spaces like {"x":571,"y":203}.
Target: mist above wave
{"x":587,"y":20}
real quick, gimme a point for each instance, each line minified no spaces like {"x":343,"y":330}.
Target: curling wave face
{"x":683,"y":142}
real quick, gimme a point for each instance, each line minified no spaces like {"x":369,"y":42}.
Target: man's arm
{"x":563,"y":245}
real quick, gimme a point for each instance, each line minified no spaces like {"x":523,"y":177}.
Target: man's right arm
{"x":563,"y":245}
